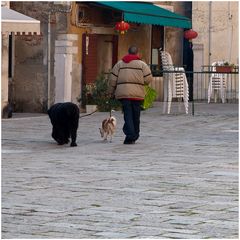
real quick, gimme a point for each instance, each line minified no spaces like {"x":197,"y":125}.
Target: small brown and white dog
{"x":108,"y":127}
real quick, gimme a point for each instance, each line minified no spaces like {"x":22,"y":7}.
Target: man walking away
{"x":126,"y":83}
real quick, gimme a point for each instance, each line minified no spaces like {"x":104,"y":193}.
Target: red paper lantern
{"x":190,"y":34}
{"x":122,"y":27}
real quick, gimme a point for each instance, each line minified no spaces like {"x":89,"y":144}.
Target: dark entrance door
{"x":157,"y":45}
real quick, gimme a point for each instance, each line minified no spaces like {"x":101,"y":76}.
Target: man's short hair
{"x":133,"y":50}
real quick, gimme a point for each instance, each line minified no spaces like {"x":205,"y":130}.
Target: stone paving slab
{"x":180,"y":180}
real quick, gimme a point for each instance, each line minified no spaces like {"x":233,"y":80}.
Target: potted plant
{"x":101,"y":96}
{"x":87,"y":101}
{"x":95,"y":96}
{"x":226,"y":67}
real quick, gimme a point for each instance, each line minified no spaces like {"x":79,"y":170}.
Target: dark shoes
{"x":129,"y":142}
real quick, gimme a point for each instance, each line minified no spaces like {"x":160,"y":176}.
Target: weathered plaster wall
{"x":30,"y":76}
{"x":173,"y":44}
{"x":221,"y":25}
{"x":139,"y":37}
{"x":29,"y":85}
{"x":30,"y":82}
{"x":4,"y":69}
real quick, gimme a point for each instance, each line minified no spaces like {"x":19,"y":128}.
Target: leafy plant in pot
{"x":87,"y":101}
{"x":97,"y":94}
{"x":101,"y":96}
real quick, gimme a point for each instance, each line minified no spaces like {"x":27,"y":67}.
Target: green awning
{"x":148,"y":13}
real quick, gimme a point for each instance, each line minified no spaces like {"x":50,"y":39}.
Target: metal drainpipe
{"x":49,"y":61}
{"x":209,"y":33}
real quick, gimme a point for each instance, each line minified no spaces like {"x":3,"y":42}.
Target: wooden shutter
{"x":89,"y":59}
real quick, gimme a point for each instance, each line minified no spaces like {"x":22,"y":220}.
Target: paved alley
{"x":180,"y":180}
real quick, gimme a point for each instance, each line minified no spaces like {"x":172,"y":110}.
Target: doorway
{"x":157,"y":45}
{"x":100,"y":53}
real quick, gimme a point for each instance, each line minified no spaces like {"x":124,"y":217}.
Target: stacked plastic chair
{"x":217,"y":83}
{"x":176,"y":82}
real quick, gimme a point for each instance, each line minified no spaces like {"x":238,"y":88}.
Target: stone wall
{"x":30,"y":75}
{"x":30,"y":81}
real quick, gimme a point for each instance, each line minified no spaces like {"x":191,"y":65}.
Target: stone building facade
{"x":73,"y":34}
{"x":217,"y":25}
{"x":13,"y":23}
{"x":33,"y":84}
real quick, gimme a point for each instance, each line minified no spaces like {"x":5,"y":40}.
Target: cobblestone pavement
{"x":180,"y":180}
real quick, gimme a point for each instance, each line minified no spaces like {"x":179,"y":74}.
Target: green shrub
{"x":97,"y":94}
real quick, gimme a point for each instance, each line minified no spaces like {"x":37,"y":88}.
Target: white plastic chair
{"x":175,"y":83}
{"x":217,"y":82}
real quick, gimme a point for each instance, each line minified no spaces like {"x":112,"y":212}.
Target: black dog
{"x":64,"y":118}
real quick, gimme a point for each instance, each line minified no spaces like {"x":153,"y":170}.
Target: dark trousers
{"x":131,"y":111}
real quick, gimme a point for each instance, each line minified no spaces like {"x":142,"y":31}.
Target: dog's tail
{"x":111,"y":111}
